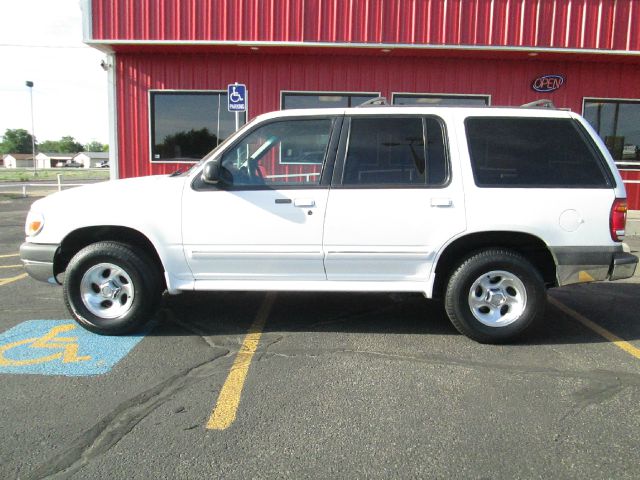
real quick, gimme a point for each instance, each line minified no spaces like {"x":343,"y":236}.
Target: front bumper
{"x":38,"y":260}
{"x":592,"y":264}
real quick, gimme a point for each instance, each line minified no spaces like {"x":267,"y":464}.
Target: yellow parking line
{"x":617,"y":341}
{"x":6,"y":281}
{"x":226,"y":407}
{"x":10,"y":266}
{"x":11,"y":255}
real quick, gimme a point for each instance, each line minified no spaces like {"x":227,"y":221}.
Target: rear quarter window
{"x":534,"y":152}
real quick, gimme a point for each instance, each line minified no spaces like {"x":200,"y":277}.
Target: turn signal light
{"x":34,"y":224}
{"x":618,"y":219}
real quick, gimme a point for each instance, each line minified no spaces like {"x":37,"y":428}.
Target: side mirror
{"x":211,"y":172}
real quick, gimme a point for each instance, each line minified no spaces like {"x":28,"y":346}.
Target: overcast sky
{"x":41,"y":41}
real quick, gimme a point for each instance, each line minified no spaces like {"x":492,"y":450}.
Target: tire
{"x":494,"y":295}
{"x":111,"y":288}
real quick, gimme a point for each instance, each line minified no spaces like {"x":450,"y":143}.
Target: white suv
{"x":483,"y":207}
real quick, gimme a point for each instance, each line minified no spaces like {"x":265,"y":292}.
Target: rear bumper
{"x":592,"y":264}
{"x":38,"y":260}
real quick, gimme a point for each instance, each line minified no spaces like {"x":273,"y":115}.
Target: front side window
{"x":187,"y":125}
{"x":403,"y":151}
{"x":532,"y":152}
{"x":438,"y":100}
{"x":257,"y":159}
{"x":618,"y":123}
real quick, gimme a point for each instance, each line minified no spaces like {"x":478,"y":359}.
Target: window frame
{"x":440,"y":95}
{"x":620,"y":164}
{"x":309,"y":93}
{"x":151,"y":111}
{"x":327,"y":165}
{"x":580,"y":130}
{"x":341,"y":156}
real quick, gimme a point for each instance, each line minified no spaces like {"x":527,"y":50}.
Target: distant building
{"x":91,"y":159}
{"x":53,"y":160}
{"x":17,"y":160}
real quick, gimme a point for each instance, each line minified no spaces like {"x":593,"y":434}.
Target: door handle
{"x":441,"y":202}
{"x":304,"y":202}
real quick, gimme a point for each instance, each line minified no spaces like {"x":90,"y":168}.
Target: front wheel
{"x":111,"y":288}
{"x":494,"y":295}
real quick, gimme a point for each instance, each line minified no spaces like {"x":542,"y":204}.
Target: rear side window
{"x":401,"y":151}
{"x":533,"y":152}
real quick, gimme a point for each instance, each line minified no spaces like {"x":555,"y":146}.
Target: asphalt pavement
{"x":305,"y":385}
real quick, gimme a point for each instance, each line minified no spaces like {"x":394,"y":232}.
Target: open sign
{"x":547,"y":83}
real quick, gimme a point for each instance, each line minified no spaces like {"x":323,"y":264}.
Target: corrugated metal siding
{"x":508,"y":83}
{"x":576,"y":24}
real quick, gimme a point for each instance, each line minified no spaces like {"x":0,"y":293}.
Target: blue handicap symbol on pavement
{"x":61,"y":347}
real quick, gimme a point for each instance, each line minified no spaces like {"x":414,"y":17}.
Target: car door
{"x":264,"y":219}
{"x":393,"y":201}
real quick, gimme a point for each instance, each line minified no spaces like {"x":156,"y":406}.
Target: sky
{"x":41,"y":41}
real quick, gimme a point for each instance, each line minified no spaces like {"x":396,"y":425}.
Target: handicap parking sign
{"x":61,"y":347}
{"x":237,"y":97}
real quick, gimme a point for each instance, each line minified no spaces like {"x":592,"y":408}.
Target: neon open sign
{"x":547,"y":83}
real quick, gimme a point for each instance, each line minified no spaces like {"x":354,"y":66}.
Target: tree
{"x":16,"y":140}
{"x":66,"y":144}
{"x":95,"y":146}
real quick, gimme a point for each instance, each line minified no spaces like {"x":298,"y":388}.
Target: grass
{"x":51,"y":174}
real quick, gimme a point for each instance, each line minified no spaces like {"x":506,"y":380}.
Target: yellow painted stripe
{"x":617,"y":341}
{"x":11,"y":255}
{"x":6,"y":281}
{"x":226,"y":407}
{"x":10,"y":266}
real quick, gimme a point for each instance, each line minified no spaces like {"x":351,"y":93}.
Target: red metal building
{"x":170,"y":61}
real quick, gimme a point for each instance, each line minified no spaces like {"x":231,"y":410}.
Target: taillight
{"x":618,"y":219}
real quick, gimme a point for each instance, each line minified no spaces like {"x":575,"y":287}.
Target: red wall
{"x":602,"y":24}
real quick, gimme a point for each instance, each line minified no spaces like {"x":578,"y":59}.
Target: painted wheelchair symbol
{"x":235,"y":97}
{"x":67,"y":348}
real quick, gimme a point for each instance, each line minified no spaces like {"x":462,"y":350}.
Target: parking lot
{"x":254,"y":385}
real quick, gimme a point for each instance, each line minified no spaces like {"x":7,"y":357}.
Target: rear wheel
{"x":494,"y":295}
{"x":111,"y":288}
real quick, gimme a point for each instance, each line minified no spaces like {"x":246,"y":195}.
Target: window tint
{"x":258,"y":158}
{"x":393,"y":151}
{"x":187,"y":125}
{"x":526,"y":152}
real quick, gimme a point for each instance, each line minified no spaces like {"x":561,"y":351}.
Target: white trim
{"x":440,"y":95}
{"x":369,"y":46}
{"x":179,"y":90}
{"x":112,"y":94}
{"x":328,"y":93}
{"x":87,"y":20}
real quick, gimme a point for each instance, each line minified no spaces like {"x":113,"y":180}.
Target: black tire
{"x":134,"y":289}
{"x":495,"y":314}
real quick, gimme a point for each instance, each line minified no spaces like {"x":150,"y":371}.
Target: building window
{"x":324,"y":99}
{"x":185,"y":125}
{"x":437,"y":99}
{"x":618,"y":123}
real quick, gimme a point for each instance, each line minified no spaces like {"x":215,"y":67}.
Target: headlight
{"x":34,"y":224}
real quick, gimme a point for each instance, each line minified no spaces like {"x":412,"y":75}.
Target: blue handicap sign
{"x":237,"y":97}
{"x":61,"y":347}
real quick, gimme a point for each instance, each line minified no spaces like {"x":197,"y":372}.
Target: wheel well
{"x":78,"y":239}
{"x":529,"y":246}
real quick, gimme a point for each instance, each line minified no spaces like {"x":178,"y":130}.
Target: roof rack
{"x":542,"y":103}
{"x":375,"y":102}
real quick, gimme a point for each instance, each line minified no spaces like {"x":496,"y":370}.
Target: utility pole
{"x":29,"y":84}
